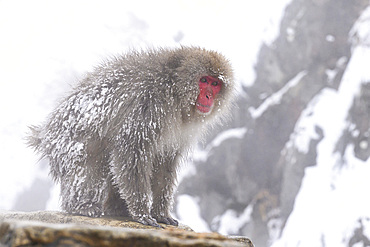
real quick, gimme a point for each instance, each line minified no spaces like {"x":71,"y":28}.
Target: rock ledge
{"x":61,"y":229}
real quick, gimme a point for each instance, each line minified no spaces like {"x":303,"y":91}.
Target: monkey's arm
{"x":131,"y":169}
{"x":163,"y":184}
{"x":134,"y":154}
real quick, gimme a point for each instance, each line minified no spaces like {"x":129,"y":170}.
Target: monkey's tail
{"x":33,"y":138}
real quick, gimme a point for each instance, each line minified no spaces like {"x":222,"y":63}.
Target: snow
{"x":202,"y":154}
{"x":189,"y":213}
{"x":275,"y":98}
{"x":331,"y":200}
{"x":231,"y":222}
{"x":304,"y":130}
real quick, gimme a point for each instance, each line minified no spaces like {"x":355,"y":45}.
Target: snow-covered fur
{"x":115,"y":142}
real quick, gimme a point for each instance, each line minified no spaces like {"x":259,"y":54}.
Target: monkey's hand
{"x":167,"y":220}
{"x":147,"y":220}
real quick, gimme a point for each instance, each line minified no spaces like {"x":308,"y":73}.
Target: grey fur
{"x":114,"y":144}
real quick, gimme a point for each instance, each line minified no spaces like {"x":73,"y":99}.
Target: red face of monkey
{"x":209,"y":87}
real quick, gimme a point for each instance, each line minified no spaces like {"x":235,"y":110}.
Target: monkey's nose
{"x":209,"y":94}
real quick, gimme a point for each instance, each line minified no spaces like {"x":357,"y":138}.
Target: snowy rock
{"x":61,"y":229}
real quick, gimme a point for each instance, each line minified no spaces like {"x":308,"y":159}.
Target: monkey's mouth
{"x":204,"y":108}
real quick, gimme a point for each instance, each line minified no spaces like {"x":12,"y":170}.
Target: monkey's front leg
{"x":163,"y":184}
{"x":134,"y":187}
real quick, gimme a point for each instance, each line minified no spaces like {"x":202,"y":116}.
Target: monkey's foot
{"x":147,"y":220}
{"x":89,"y":209}
{"x":167,"y":220}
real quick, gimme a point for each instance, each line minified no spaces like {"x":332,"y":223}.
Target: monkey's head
{"x":207,"y":77}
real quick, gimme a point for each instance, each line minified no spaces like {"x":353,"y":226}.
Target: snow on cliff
{"x":332,"y":202}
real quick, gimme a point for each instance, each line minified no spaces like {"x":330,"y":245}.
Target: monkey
{"x":114,"y":144}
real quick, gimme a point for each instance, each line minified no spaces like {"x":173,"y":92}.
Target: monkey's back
{"x":130,"y":96}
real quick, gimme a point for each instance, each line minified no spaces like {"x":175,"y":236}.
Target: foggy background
{"x":291,"y":168}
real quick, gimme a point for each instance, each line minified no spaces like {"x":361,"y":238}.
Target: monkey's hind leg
{"x":81,"y":194}
{"x":163,"y":184}
{"x":83,"y":186}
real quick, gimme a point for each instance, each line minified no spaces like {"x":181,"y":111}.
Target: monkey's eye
{"x":215,"y":83}
{"x":203,"y":79}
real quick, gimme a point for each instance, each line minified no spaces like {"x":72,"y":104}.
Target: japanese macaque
{"x":115,"y":143}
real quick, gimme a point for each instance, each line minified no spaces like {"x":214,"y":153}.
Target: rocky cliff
{"x":256,"y":175}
